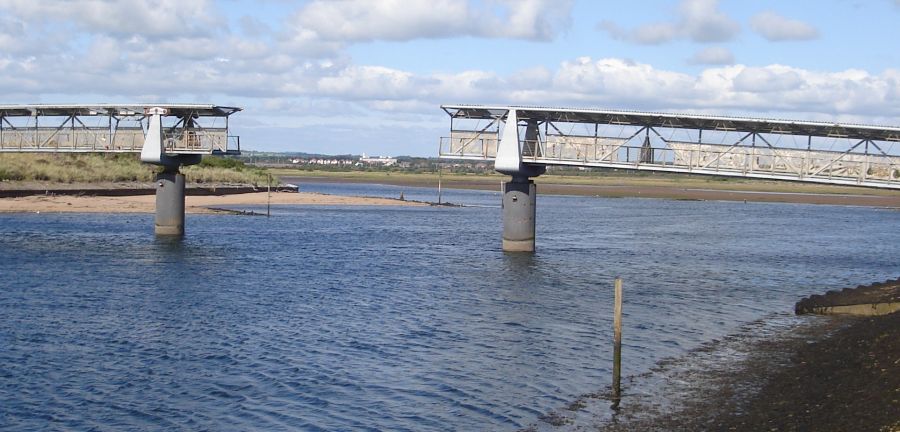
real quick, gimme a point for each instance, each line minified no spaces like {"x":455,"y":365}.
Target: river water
{"x":390,"y":318}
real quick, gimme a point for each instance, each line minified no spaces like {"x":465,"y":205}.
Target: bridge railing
{"x":85,"y":139}
{"x":847,"y":167}
{"x":233,"y":145}
{"x":128,"y":139}
{"x":759,"y":162}
{"x":469,"y":145}
{"x":195,"y":140}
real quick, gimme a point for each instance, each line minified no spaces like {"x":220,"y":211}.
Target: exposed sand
{"x":193,"y":204}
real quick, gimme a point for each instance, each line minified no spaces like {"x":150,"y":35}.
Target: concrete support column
{"x":170,"y":203}
{"x":519,"y":205}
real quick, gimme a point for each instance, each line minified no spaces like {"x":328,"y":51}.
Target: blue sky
{"x":354,"y":76}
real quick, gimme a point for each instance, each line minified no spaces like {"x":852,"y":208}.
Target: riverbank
{"x":206,"y":204}
{"x":621,"y":186}
{"x":611,"y":186}
{"x":66,"y":168}
{"x":834,"y":373}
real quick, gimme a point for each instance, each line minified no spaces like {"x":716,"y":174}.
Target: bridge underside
{"x":736,"y":147}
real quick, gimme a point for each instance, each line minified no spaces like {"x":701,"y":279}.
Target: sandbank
{"x":690,"y":190}
{"x":206,"y":204}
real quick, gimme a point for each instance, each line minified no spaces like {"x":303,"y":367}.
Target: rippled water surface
{"x":390,"y":318}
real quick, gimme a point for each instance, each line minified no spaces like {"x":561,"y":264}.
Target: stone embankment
{"x":879,"y":298}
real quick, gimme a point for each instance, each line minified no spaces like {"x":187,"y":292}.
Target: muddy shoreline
{"x":674,"y":191}
{"x":784,"y":373}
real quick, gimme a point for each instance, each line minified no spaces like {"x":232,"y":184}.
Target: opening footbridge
{"x":523,"y":141}
{"x":168,"y":135}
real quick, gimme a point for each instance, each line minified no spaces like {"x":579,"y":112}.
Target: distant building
{"x":322,"y":161}
{"x":380,"y":160}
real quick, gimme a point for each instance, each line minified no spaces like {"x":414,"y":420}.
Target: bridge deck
{"x":110,"y":128}
{"x":833,"y":153}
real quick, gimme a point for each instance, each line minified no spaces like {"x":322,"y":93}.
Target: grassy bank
{"x":96,"y":168}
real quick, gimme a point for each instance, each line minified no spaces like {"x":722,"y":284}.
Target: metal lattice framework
{"x":818,"y":152}
{"x":110,"y":128}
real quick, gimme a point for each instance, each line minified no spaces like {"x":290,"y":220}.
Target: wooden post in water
{"x":617,"y":341}
{"x":440,"y":172}
{"x":269,"y":196}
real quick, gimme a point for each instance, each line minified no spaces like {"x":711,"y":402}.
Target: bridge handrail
{"x":125,"y":139}
{"x":703,"y":158}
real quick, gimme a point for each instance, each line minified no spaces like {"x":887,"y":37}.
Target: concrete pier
{"x":170,"y":203}
{"x":519,"y":205}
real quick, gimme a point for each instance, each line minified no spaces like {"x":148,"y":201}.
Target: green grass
{"x":96,"y":168}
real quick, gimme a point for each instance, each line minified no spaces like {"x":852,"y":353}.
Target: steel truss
{"x":187,"y":129}
{"x":724,"y":146}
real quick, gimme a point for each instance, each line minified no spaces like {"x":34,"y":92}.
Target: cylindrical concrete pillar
{"x":519,"y":204}
{"x":170,"y":203}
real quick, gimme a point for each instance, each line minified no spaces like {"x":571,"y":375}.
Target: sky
{"x":369,"y":76}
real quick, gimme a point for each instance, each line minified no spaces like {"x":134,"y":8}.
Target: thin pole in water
{"x":440,"y":171}
{"x":269,"y":196}
{"x":617,"y":343}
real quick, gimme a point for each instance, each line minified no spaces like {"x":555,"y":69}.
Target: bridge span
{"x":523,"y":141}
{"x":168,"y":135}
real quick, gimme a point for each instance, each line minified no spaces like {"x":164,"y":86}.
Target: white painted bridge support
{"x":519,"y":209}
{"x":519,"y":194}
{"x":170,"y":182}
{"x":169,"y":203}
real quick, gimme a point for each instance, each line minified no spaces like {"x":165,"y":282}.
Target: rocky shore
{"x":880,"y":298}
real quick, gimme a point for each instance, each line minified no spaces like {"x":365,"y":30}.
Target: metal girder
{"x":176,"y":110}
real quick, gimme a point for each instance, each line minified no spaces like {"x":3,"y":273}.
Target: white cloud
{"x":705,"y":23}
{"x":324,"y":26}
{"x":777,"y":28}
{"x":150,"y":18}
{"x":698,"y":20}
{"x":612,"y":80}
{"x":253,"y":27}
{"x":625,"y":84}
{"x":648,"y":34}
{"x":714,"y":55}
{"x":60,"y":58}
{"x":767,"y":79}
{"x":10,"y":35}
{"x":371,"y":83}
{"x":115,"y":70}
{"x":350,"y":20}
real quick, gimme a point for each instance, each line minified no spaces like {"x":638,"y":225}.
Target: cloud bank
{"x":296,"y":74}
{"x":698,"y":21}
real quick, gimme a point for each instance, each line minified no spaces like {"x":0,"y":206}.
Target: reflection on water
{"x":390,"y":318}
